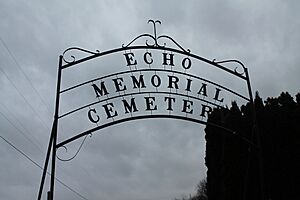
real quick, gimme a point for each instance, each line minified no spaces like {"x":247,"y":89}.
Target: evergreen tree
{"x":237,"y":159}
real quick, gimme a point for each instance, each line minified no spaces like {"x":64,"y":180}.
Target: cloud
{"x":140,"y":159}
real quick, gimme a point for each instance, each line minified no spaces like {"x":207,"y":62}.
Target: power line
{"x":30,"y":82}
{"x":27,"y":78}
{"x":35,"y":163}
{"x":20,"y":130}
{"x":24,"y":98}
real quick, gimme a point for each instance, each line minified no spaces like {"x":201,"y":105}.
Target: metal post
{"x":53,"y":160}
{"x":55,"y":125}
{"x":48,"y":195}
{"x":45,"y":166}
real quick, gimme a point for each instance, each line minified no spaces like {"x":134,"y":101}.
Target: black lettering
{"x":188,"y":85}
{"x":90,"y":116}
{"x":188,"y":64}
{"x":153,"y":80}
{"x":128,"y":108}
{"x":109,"y":110}
{"x":170,"y":59}
{"x":187,"y":106}
{"x":205,"y":109}
{"x":217,"y":95}
{"x":203,"y":90}
{"x":138,"y":83}
{"x":130,"y":59}
{"x":118,"y":83}
{"x":100,"y":91}
{"x":150,"y":103}
{"x":173,"y":80}
{"x":169,"y":101}
{"x":149,"y":62}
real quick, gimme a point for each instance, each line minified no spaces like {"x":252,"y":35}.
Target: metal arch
{"x":136,"y":93}
{"x":156,"y":45}
{"x":159,"y":70}
{"x":145,"y":117}
{"x":133,"y":93}
{"x":108,"y":52}
{"x":78,"y":49}
{"x":53,"y":146}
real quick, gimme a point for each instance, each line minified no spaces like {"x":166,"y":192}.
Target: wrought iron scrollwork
{"x":154,"y":30}
{"x":66,"y":150}
{"x":72,"y":57}
{"x":239,"y":70}
{"x":155,"y":38}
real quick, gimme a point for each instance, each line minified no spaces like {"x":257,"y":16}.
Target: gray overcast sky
{"x":154,"y":159}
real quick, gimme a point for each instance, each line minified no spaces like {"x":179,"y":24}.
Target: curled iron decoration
{"x":237,"y":69}
{"x":154,"y":29}
{"x":66,"y":150}
{"x":155,"y":38}
{"x":179,"y":46}
{"x":72,"y":57}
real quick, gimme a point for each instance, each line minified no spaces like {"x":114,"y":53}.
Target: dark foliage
{"x":201,"y":193}
{"x":268,"y":153}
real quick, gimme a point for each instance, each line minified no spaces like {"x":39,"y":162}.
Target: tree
{"x":201,"y":192}
{"x":234,"y":163}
